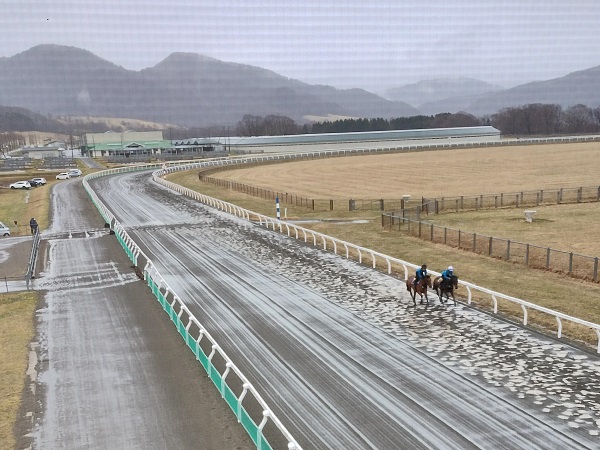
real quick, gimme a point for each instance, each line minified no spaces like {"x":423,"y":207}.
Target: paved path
{"x":340,"y":353}
{"x":113,"y":372}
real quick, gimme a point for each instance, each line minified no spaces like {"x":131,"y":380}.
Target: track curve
{"x":339,"y":352}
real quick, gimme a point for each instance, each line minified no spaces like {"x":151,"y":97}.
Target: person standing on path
{"x":34,"y":225}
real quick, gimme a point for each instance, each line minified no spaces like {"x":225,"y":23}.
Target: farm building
{"x":48,"y":151}
{"x":127,"y":143}
{"x":395,"y":138}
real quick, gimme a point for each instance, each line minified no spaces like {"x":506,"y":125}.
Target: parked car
{"x":4,"y":231}
{"x":75,"y":173}
{"x":20,"y":185}
{"x":34,"y":183}
{"x":38,"y":180}
{"x":63,"y":176}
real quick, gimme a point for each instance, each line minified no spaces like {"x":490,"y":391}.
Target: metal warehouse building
{"x":372,"y":139}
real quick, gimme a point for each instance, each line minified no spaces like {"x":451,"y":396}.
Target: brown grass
{"x":432,"y":173}
{"x":21,"y":205}
{"x":16,"y":331}
{"x":563,"y":227}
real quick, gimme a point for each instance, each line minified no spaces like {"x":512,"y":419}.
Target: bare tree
{"x":250,"y":126}
{"x":579,"y":119}
{"x":276,"y":125}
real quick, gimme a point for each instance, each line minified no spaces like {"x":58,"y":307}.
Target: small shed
{"x":49,"y":151}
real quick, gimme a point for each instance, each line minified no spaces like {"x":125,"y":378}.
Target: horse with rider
{"x":418,"y":284}
{"x":445,"y":285}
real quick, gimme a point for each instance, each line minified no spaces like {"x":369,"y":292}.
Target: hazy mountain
{"x":440,"y":95}
{"x":185,"y":89}
{"x":582,"y":87}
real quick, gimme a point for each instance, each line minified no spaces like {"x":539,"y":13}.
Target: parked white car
{"x":20,"y":185}
{"x":75,"y":173}
{"x":39,"y":180}
{"x":63,"y":176}
{"x":4,"y":231}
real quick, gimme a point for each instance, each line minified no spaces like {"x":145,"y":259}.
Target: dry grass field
{"x":568,"y":227}
{"x":456,"y":172}
{"x":16,"y":331}
{"x":16,"y":309}
{"x":22,"y":204}
{"x":432,"y":173}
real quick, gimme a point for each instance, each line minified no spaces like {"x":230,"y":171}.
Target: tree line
{"x":531,"y":119}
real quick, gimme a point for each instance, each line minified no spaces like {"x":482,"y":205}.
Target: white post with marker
{"x":277,"y":206}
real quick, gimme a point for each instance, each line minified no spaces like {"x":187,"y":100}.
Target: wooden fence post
{"x":474,"y":242}
{"x":548,"y":258}
{"x":527,"y":254}
{"x":490,"y":245}
{"x":570,"y":262}
{"x":508,"y":250}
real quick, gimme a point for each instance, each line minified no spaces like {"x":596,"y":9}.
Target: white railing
{"x":326,"y":242}
{"x":150,"y":270}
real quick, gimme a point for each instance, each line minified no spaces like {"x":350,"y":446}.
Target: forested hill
{"x":184,"y":89}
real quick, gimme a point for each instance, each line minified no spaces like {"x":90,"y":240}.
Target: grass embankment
{"x":22,"y":204}
{"x":17,"y":309}
{"x":16,"y":331}
{"x":552,"y":290}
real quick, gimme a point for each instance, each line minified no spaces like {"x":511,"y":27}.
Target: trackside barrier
{"x":328,"y":242}
{"x":192,"y":331}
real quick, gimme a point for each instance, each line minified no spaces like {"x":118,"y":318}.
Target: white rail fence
{"x":328,"y":242}
{"x":184,"y":320}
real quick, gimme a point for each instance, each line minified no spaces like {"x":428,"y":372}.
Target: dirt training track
{"x":111,"y":372}
{"x":339,"y":351}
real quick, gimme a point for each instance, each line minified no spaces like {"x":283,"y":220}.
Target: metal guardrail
{"x":33,"y":257}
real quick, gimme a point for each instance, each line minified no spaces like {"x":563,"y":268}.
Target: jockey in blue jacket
{"x":447,"y":274}
{"x":420,"y":274}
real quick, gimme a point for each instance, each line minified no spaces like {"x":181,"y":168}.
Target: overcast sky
{"x":346,"y":43}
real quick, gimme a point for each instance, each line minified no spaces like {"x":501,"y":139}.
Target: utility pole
{"x":71,"y":139}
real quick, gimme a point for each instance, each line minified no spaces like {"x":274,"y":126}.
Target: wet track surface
{"x":112,"y":372}
{"x":340,"y":353}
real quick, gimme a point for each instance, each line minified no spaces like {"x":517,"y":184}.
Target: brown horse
{"x":445,"y":288}
{"x":420,"y":288}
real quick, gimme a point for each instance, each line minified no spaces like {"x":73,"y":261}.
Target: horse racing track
{"x":341,"y":354}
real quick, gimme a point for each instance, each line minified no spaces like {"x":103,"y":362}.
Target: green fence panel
{"x":249,"y":425}
{"x":181,"y":328}
{"x":231,"y":399}
{"x":203,"y":359}
{"x":215,"y":376}
{"x":191,"y":343}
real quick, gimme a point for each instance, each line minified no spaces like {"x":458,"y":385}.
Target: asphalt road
{"x":340,"y":354}
{"x":112,"y":372}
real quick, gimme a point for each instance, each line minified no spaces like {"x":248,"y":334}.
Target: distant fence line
{"x":424,"y":206}
{"x":553,"y":196}
{"x":531,"y":255}
{"x":312,"y":204}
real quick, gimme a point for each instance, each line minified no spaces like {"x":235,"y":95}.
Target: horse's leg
{"x":412,"y":294}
